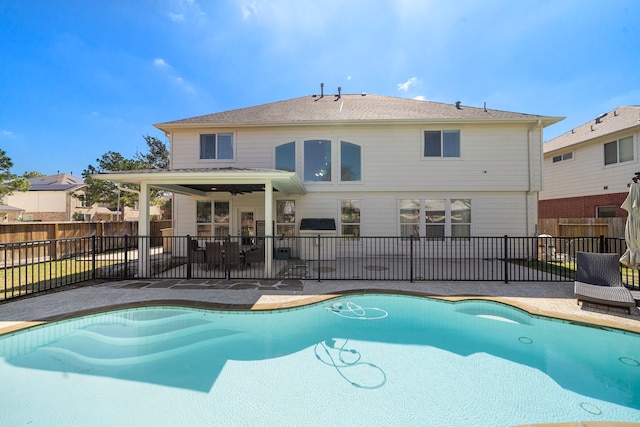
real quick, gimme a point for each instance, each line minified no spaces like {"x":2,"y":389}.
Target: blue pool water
{"x":357,"y":360}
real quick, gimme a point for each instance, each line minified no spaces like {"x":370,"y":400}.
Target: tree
{"x":32,"y":174}
{"x":8,"y":181}
{"x":99,"y":191}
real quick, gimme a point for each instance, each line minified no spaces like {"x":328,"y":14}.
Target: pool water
{"x":357,"y":360}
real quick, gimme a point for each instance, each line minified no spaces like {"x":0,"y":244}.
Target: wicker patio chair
{"x":232,"y":254}
{"x":213,"y":255}
{"x":598,"y":281}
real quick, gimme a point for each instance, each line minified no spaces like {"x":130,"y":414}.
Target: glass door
{"x":247,"y":227}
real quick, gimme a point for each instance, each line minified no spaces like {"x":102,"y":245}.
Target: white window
{"x":218,"y":222}
{"x":409,"y":217}
{"x":285,"y":218}
{"x":350,"y":162}
{"x":605,"y":211}
{"x":435,"y":218}
{"x":618,"y":151}
{"x":317,"y":160}
{"x":216,"y":146}
{"x":286,"y":157}
{"x":563,"y":157}
{"x":350,"y":219}
{"x":441,"y":143}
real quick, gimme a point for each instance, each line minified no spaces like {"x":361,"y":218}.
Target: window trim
{"x":441,"y":157}
{"x":361,"y":148}
{"x":349,"y":238}
{"x":564,"y":157}
{"x":448,"y":224}
{"x":295,"y":155}
{"x":617,"y":145}
{"x":332,"y":156}
{"x":217,"y":150}
{"x":284,"y":224}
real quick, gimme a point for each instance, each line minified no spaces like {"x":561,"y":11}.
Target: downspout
{"x":530,"y":184}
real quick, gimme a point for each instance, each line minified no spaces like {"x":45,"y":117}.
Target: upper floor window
{"x":618,"y":151}
{"x":350,"y":162}
{"x":286,"y":157}
{"x":216,"y":146}
{"x":317,"y":160}
{"x":441,"y":143}
{"x":565,"y":156}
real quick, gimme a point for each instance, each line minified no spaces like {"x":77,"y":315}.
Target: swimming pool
{"x":357,"y":360}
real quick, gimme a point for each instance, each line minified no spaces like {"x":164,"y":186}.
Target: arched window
{"x":286,"y":157}
{"x":350,"y":162}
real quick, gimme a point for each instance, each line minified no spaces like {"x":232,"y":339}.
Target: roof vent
{"x":591,"y":128}
{"x":321,"y":91}
{"x":458,"y":105}
{"x":338,"y":94}
{"x":615,"y":113}
{"x":363,"y":94}
{"x":600,"y":117}
{"x":485,"y":106}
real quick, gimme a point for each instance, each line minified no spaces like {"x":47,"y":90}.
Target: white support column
{"x":144,"y":228}
{"x":268,"y":228}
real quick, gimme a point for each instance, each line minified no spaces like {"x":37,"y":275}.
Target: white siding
{"x":499,"y":167}
{"x":586,"y":174}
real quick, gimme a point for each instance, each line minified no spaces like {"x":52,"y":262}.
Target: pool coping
{"x":268,"y":302}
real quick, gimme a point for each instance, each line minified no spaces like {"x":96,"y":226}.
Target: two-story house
{"x":376,"y":165}
{"x":587,"y":170}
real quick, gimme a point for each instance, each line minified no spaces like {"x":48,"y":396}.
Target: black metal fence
{"x":31,"y":267}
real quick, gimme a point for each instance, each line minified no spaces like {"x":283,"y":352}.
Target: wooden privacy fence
{"x":51,"y":241}
{"x":582,"y":227}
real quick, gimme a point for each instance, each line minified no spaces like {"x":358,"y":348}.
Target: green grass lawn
{"x":42,"y":276}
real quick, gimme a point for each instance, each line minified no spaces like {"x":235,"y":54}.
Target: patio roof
{"x":201,"y":181}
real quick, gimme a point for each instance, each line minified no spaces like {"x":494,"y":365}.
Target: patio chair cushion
{"x":616,"y":296}
{"x":598,"y":269}
{"x":598,"y":281}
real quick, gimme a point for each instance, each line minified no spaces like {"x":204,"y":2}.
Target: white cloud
{"x":160,"y":63}
{"x":403,"y":87}
{"x":175,"y":17}
{"x":420,"y":98}
{"x":249,"y":9}
{"x":8,"y":134}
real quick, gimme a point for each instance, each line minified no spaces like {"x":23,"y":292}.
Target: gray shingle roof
{"x":350,"y":108}
{"x":60,"y":182}
{"x":625,"y":117}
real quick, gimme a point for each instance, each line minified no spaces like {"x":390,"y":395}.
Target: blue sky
{"x":79,"y":78}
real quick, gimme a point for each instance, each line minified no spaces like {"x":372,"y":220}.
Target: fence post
{"x":189,"y":256}
{"x":126,"y":256}
{"x":601,"y":245}
{"x":506,"y":259}
{"x":93,"y":256}
{"x":319,"y":254}
{"x":411,"y":259}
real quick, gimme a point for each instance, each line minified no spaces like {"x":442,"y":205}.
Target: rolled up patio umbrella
{"x":631,"y":257}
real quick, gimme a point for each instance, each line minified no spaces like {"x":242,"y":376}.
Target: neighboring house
{"x":377,"y":165}
{"x":60,"y":197}
{"x":9,"y":213}
{"x":587,"y":170}
{"x":49,"y":198}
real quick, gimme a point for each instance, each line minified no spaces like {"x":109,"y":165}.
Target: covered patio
{"x":205,"y":183}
